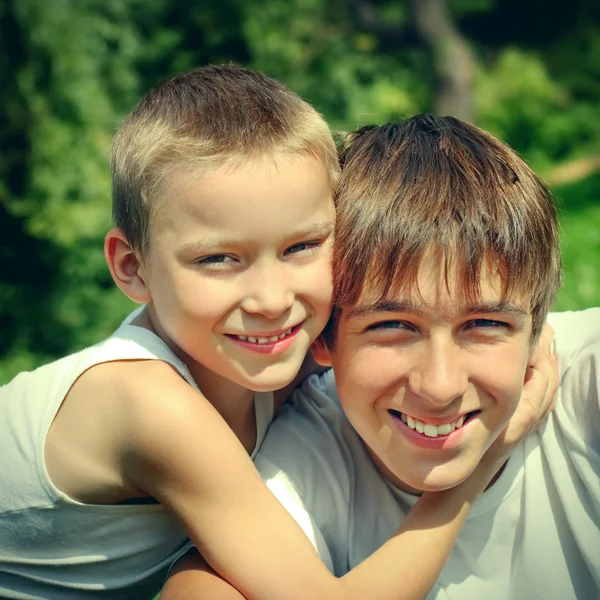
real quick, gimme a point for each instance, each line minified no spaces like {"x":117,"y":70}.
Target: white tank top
{"x":53,"y":547}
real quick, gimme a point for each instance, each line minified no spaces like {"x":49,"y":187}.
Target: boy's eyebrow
{"x":316,"y":229}
{"x":215,"y":241}
{"x":418,"y":308}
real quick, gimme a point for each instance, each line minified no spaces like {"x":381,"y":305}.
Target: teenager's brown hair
{"x":437,"y":183}
{"x":201,"y":120}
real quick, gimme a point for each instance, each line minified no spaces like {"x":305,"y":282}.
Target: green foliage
{"x":519,"y":101}
{"x":70,"y":70}
{"x":580,"y":218}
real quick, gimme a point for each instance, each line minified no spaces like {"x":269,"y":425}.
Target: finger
{"x":543,"y":363}
{"x":540,"y":392}
{"x":549,"y":370}
{"x":544,"y":345}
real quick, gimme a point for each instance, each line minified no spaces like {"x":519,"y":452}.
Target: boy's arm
{"x":191,"y":577}
{"x":248,"y":539}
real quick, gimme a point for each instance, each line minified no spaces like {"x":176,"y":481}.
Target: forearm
{"x":406,"y":567}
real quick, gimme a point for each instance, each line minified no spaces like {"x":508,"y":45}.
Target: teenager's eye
{"x":301,"y":247}
{"x":389,"y":325}
{"x":486,"y":324}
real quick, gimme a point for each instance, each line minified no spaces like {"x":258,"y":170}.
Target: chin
{"x":270,"y":383}
{"x":438,"y":480}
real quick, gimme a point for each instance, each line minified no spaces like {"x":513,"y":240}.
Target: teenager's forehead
{"x":440,"y":284}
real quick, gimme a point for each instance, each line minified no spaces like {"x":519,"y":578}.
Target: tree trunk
{"x":453,"y":61}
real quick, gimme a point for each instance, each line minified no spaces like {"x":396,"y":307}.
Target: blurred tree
{"x":71,"y":69}
{"x":452,"y":58}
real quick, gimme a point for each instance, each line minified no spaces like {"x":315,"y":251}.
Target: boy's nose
{"x":438,"y":375}
{"x":270,"y":295}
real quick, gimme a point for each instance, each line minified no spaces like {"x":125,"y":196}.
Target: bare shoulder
{"x":105,"y":410}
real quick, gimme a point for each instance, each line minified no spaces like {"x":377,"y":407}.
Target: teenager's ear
{"x":125,"y":267}
{"x":321,"y":353}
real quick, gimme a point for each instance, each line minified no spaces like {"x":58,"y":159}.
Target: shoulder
{"x":307,"y":462}
{"x":578,"y":348}
{"x":150,"y":405}
{"x":311,"y":417}
{"x":114,"y":411}
{"x":577,"y":333}
{"x":306,"y":447}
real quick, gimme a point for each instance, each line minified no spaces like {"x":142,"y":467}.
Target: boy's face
{"x":239,"y":269}
{"x":430,"y":382}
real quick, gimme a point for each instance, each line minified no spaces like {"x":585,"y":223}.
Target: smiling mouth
{"x":429,"y":429}
{"x":265,"y":340}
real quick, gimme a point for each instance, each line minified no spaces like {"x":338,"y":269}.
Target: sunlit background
{"x":70,"y":70}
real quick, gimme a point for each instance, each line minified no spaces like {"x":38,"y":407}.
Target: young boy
{"x":222,"y":185}
{"x":446,"y":262}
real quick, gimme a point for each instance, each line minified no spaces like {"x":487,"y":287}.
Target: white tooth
{"x":430,"y":430}
{"x":262,"y":340}
{"x":445,"y":429}
{"x":252,"y":339}
{"x":242,"y":337}
{"x":403,"y":417}
{"x":282,"y":335}
{"x":410,"y":422}
{"x":460,"y":421}
{"x":274,"y":338}
{"x":419,"y":426}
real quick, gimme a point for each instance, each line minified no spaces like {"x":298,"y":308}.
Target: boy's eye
{"x":301,"y":247}
{"x":215,"y":259}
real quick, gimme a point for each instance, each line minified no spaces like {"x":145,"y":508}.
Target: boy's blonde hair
{"x":439,"y":183}
{"x":199,"y":121}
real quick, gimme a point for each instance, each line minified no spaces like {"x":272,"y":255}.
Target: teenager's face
{"x":430,"y":381}
{"x":239,"y":269}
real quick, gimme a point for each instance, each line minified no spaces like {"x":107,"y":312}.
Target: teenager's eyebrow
{"x":413,"y":307}
{"x":385,"y":306}
{"x":501,"y":307}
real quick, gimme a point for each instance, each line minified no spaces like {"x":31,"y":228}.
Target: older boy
{"x":447,"y":260}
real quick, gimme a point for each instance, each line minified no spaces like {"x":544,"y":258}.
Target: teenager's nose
{"x":438,"y":374}
{"x":269,"y":292}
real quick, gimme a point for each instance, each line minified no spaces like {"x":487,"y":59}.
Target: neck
{"x":232,"y":401}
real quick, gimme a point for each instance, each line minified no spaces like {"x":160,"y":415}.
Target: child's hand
{"x":537,"y":400}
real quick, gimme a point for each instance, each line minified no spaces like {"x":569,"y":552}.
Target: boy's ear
{"x":321,"y":353}
{"x":125,"y":267}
